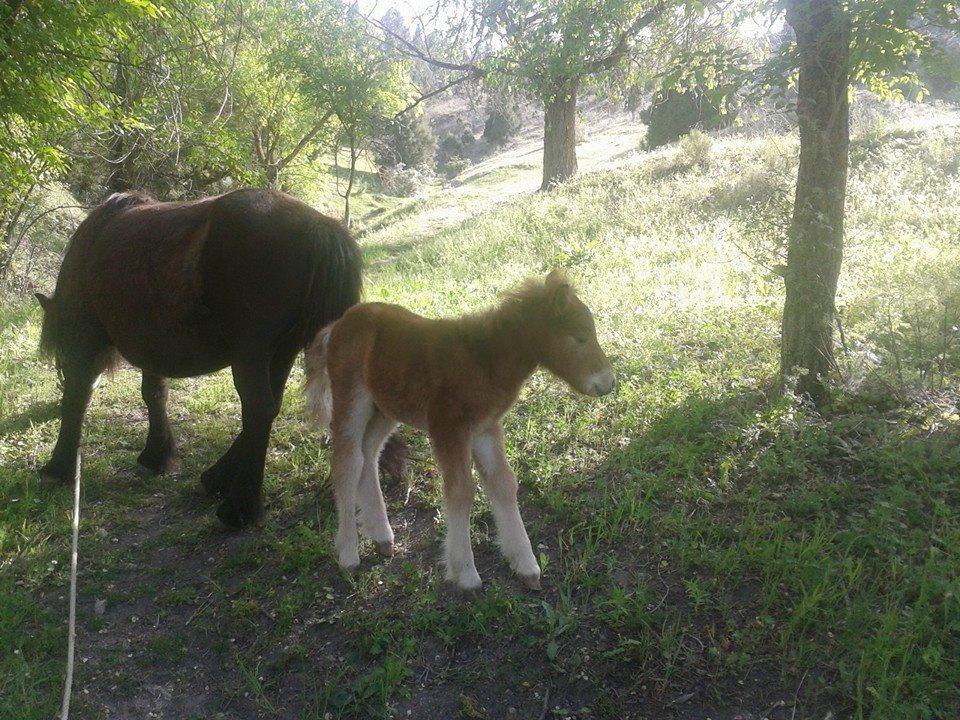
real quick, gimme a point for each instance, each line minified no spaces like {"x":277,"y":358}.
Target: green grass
{"x":708,"y":546}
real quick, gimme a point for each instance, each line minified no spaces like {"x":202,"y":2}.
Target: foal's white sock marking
{"x":373,"y":510}
{"x":501,"y":486}
{"x":459,"y":554}
{"x":347,"y":466}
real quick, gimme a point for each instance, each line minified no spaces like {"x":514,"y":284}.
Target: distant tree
{"x":502,"y":123}
{"x":549,"y":49}
{"x":406,"y":140}
{"x":699,"y":83}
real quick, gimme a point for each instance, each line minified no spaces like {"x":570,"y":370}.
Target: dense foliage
{"x":182,"y":98}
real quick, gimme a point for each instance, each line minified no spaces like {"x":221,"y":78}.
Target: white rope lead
{"x":72,"y":622}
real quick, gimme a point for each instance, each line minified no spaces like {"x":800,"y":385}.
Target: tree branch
{"x":402,"y":45}
{"x":624,"y":43}
{"x":283,"y":162}
{"x":434,"y":93}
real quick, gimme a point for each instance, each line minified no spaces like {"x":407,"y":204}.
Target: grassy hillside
{"x":709,"y":549}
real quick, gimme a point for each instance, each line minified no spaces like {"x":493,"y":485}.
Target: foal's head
{"x":567,"y":336}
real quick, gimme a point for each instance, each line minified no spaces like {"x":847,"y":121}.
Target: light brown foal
{"x":454,"y":378}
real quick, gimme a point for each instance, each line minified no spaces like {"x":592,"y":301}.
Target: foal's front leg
{"x":452,"y":451}
{"x":500,"y":484}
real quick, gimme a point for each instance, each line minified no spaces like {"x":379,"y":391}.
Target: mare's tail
{"x":335,"y":278}
{"x":317,"y":397}
{"x":336,"y":288}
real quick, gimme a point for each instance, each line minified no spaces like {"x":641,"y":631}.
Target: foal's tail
{"x":318,"y":401}
{"x":317,"y":396}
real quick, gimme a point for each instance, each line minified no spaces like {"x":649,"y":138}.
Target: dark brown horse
{"x":179,"y":289}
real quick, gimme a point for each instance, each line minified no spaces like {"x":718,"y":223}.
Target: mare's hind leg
{"x":374,"y":522}
{"x":160,"y":452}
{"x":80,"y":376}
{"x":217,"y":478}
{"x":242,"y":503}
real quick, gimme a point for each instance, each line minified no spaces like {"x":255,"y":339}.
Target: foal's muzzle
{"x":601,"y":383}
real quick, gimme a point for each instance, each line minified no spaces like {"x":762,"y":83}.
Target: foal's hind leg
{"x":351,"y":416}
{"x":80,"y":376}
{"x":374,"y":522}
{"x":160,"y":453}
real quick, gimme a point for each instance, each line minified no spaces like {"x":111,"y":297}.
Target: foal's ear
{"x":561,"y":293}
{"x":555,"y":278}
{"x":44,"y":300}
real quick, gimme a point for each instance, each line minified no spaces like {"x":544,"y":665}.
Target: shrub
{"x":450,"y":147}
{"x":674,"y":113}
{"x":503,"y":122}
{"x":407,"y":141}
{"x":455,"y":166}
{"x":695,"y":148}
{"x":403,"y":181}
{"x":467,"y":138}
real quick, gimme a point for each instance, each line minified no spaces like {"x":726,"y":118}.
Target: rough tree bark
{"x":560,"y":136}
{"x":815,"y":247}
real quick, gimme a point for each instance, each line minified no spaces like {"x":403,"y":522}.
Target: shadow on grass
{"x":40,"y":413}
{"x":751,"y":506}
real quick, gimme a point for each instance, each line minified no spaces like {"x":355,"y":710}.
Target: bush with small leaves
{"x":407,"y":141}
{"x":455,"y":166}
{"x":403,"y":181}
{"x":503,"y":122}
{"x":695,"y":148}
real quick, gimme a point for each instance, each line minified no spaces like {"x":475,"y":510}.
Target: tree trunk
{"x":560,"y":136}
{"x":120,"y":154}
{"x":353,"y":172}
{"x":816,"y":235}
{"x":272,"y":171}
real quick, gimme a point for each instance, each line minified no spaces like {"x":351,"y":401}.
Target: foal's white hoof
{"x":384,"y":548}
{"x":467,"y":581}
{"x":349,"y":562}
{"x":532,"y":582}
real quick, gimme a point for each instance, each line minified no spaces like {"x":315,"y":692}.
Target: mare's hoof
{"x":154,"y":464}
{"x":214,"y":481}
{"x":236,"y":515}
{"x":384,"y":548}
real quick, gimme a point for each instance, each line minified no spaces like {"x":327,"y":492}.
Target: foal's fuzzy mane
{"x":534,"y":290}
{"x":515,"y":306}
